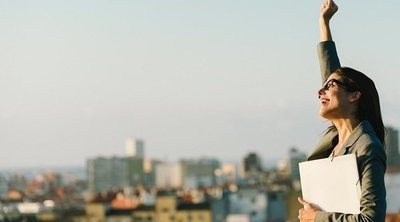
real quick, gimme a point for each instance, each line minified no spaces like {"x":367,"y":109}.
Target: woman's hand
{"x":328,"y":9}
{"x":308,"y":212}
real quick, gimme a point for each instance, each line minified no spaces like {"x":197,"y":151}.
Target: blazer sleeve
{"x":328,"y":58}
{"x":372,"y":165}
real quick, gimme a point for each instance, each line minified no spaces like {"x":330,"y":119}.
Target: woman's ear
{"x":355,"y":96}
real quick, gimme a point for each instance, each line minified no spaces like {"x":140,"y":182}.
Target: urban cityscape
{"x":135,"y":187}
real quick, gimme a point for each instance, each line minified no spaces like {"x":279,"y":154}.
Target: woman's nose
{"x":321,"y":92}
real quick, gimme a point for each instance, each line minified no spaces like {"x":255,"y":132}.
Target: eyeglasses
{"x":329,"y":84}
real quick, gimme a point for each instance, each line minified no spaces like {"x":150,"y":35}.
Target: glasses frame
{"x":329,"y":84}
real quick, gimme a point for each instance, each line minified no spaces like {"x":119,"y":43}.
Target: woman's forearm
{"x":325,"y":31}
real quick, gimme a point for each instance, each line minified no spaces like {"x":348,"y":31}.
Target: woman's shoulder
{"x":368,"y":143}
{"x":369,"y":148}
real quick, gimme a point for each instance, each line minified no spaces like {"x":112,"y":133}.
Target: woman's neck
{"x":344,"y":128}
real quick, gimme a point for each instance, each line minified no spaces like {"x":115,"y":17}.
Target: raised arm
{"x":328,"y":58}
{"x":328,"y":9}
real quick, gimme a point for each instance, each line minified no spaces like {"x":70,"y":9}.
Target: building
{"x":102,"y":176}
{"x":168,"y":175}
{"x":199,"y":173}
{"x":220,"y":206}
{"x":238,"y":218}
{"x":118,"y":215}
{"x":3,"y":187}
{"x":135,"y":147}
{"x":228,"y":173}
{"x":17,"y":182}
{"x":52,"y":181}
{"x":145,"y":213}
{"x":96,"y":211}
{"x":114,"y":173}
{"x":149,"y":169}
{"x":188,"y":212}
{"x":169,"y":209}
{"x":392,"y":147}
{"x":252,"y":164}
{"x":295,"y":157}
{"x":166,"y":207}
{"x":392,"y":182}
{"x":249,"y":201}
{"x":276,"y":206}
{"x":282,"y":169}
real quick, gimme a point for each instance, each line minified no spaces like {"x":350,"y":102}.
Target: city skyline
{"x":266,"y":164}
{"x":191,"y":79}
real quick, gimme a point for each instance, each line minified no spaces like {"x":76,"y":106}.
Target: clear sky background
{"x":191,"y":78}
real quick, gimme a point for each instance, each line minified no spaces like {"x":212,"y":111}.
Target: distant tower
{"x":392,"y":146}
{"x":252,"y":164}
{"x":135,"y":147}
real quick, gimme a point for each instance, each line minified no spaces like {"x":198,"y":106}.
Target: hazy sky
{"x":191,"y":78}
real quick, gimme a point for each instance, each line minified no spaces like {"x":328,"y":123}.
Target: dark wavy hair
{"x":368,"y":106}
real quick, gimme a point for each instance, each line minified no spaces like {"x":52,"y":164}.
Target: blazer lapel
{"x":324,"y":148}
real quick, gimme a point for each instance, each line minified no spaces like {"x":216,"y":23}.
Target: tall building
{"x":252,"y":164}
{"x":115,"y":172}
{"x":135,"y":147}
{"x":392,"y":146}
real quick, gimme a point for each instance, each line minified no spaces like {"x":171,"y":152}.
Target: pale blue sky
{"x":191,"y":78}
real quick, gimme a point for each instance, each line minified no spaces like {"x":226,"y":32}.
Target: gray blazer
{"x":363,"y":142}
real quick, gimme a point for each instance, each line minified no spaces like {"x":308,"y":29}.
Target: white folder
{"x":332,"y":183}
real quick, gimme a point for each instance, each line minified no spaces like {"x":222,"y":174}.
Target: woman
{"x":350,"y":101}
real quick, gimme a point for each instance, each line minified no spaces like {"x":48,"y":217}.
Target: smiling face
{"x":356,"y":98}
{"x":335,"y":99}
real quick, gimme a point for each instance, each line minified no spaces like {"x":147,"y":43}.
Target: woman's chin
{"x":323,"y":114}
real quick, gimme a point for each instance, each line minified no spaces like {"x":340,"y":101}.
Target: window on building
{"x":273,"y":196}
